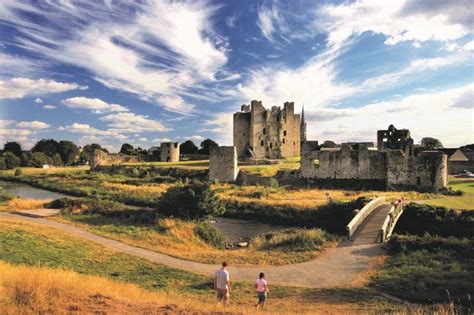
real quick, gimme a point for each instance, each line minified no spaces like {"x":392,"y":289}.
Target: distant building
{"x":268,"y":133}
{"x":459,"y":159}
{"x":169,"y":152}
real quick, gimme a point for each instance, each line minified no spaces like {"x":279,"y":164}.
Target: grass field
{"x":177,"y":238}
{"x":33,"y":245}
{"x":456,"y":202}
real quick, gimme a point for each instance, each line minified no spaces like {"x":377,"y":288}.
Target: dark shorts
{"x":223,"y":295}
{"x":262,"y":296}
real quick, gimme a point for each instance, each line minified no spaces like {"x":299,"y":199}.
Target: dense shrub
{"x":87,"y":206}
{"x":5,"y":196}
{"x":18,"y":172}
{"x":428,"y":269}
{"x":210,"y":234}
{"x":294,"y":239}
{"x":11,"y":160}
{"x":420,"y":219}
{"x":189,"y":200}
{"x":332,"y":217}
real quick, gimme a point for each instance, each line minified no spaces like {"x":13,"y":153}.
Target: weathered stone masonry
{"x":393,"y":164}
{"x":260,"y":133}
{"x":169,"y":152}
{"x":223,"y":164}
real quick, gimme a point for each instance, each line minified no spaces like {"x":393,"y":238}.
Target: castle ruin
{"x":223,"y":164}
{"x":169,"y":152}
{"x":274,"y":133}
{"x":393,"y":165}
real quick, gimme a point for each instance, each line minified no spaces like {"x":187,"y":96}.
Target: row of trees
{"x":45,"y":151}
{"x":187,"y":147}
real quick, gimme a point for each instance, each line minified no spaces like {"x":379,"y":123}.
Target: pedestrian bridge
{"x":375,"y":222}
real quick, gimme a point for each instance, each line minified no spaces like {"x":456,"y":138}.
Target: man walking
{"x":222,"y":284}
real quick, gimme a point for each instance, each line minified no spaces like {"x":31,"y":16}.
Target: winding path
{"x":338,"y":266}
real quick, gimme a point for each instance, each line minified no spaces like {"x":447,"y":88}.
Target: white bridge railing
{"x":391,"y":219}
{"x":363,"y":213}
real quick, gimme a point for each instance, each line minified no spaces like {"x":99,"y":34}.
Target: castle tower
{"x":303,"y":127}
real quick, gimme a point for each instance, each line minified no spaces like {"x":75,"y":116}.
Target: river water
{"x":27,"y":192}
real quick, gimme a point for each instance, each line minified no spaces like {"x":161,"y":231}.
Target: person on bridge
{"x":262,"y":289}
{"x":222,"y":284}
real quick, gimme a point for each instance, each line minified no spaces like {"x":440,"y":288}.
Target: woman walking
{"x":262,"y":289}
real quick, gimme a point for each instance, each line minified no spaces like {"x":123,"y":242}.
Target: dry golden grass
{"x":304,"y":197}
{"x":177,"y":238}
{"x":23,"y":204}
{"x":46,"y":290}
{"x":154,"y":190}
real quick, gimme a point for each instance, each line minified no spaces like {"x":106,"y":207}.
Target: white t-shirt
{"x":222,"y":276}
{"x":261,"y":284}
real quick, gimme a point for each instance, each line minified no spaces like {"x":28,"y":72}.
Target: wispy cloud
{"x":96,"y":105}
{"x":398,"y":20}
{"x":270,"y":21}
{"x":21,"y":87}
{"x":156,"y":49}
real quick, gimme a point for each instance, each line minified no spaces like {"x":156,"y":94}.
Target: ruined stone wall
{"x":223,"y":164}
{"x":101,"y":158}
{"x":347,"y":163}
{"x":399,"y":170}
{"x":169,"y":152}
{"x":272,"y":134}
{"x":241,"y":132}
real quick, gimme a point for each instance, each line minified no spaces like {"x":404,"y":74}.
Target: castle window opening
{"x":271,"y":146}
{"x":283,"y":140}
{"x":261,"y":143}
{"x":418,"y":181}
{"x":264,"y":130}
{"x":284,"y":132}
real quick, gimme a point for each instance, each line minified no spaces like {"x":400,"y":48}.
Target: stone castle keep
{"x":274,"y":133}
{"x":392,"y":165}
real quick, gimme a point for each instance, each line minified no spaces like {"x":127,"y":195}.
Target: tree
{"x":190,"y":201}
{"x":11,"y":160}
{"x":56,"y":160}
{"x":35,"y":159}
{"x":206,"y":146}
{"x":329,"y":144}
{"x":3,"y":165}
{"x":13,"y":147}
{"x":88,"y":149}
{"x":431,"y":143}
{"x":68,"y":152}
{"x":127,"y":149}
{"x":188,"y":147}
{"x":47,"y":146}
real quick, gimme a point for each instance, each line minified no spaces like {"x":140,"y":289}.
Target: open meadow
{"x":125,"y":204}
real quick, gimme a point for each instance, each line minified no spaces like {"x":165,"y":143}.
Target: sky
{"x":144,"y":72}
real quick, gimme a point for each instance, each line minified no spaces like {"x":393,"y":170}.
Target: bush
{"x":419,"y":219}
{"x":18,"y":172}
{"x":5,"y":196}
{"x":190,"y":200}
{"x":11,"y":160}
{"x":86,"y":206}
{"x":428,"y":269}
{"x":452,"y":192}
{"x":292,"y":240}
{"x":210,"y":234}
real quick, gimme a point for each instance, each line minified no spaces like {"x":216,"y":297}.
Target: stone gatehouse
{"x":274,"y":133}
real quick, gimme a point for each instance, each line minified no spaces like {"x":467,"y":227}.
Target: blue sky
{"x":144,"y":72}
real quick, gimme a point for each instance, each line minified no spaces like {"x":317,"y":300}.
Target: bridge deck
{"x":369,"y":231}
